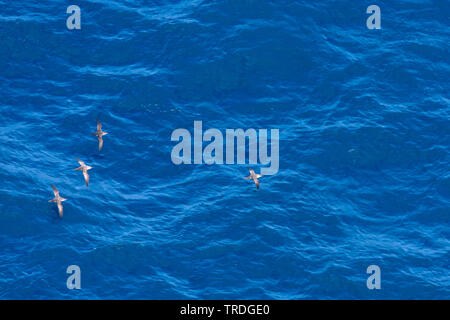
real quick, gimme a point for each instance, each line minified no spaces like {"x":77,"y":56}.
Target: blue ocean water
{"x":364,"y":149}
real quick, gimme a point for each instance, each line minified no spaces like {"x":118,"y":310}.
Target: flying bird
{"x":254,"y":176}
{"x":58,"y":199}
{"x":83,"y":167}
{"x":100,"y":135}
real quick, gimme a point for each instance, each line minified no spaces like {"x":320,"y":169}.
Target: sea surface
{"x":364,"y":176}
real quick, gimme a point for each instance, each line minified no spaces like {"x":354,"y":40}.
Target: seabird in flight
{"x":254,"y":177}
{"x":58,"y":199}
{"x":100,"y":135}
{"x":85,"y":169}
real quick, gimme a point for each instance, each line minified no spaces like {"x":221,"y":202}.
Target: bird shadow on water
{"x":53,"y":214}
{"x":97,"y":156}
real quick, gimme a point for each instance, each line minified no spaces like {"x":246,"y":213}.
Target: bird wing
{"x":60,"y":209}
{"x":55,"y":191}
{"x":81,"y":162}
{"x":86,"y":177}
{"x":251,"y":171}
{"x":257,"y":183}
{"x":99,"y":126}
{"x":100,"y":142}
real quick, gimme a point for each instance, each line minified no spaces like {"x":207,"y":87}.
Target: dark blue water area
{"x":363,"y":117}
